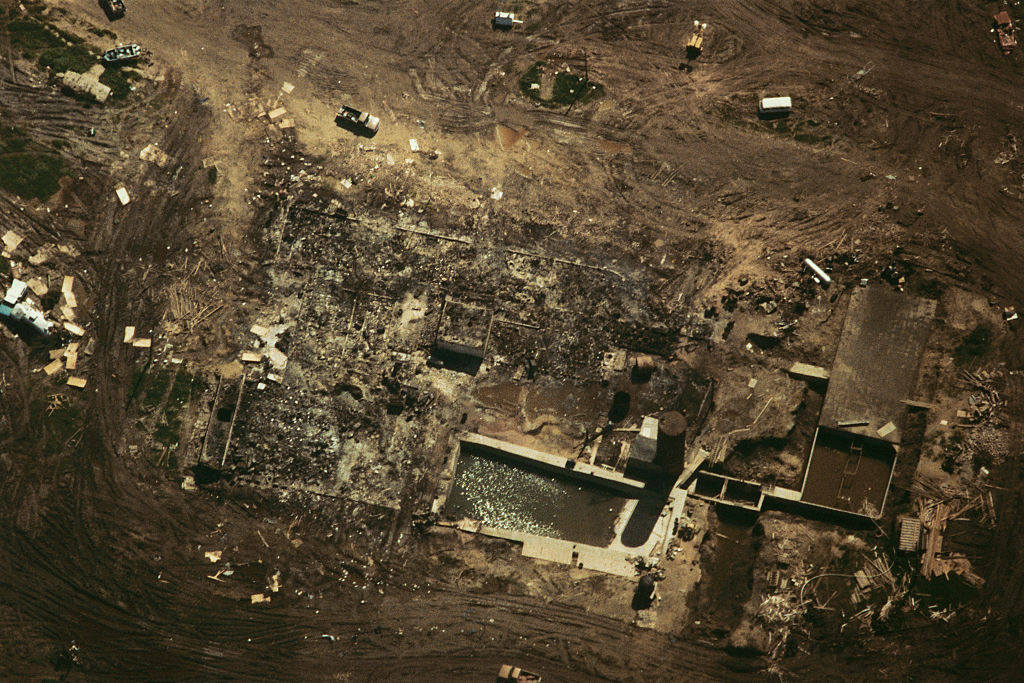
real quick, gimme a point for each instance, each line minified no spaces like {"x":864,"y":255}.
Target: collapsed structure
{"x":871,"y":385}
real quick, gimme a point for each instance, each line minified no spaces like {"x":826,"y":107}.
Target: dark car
{"x":1005,"y":31}
{"x":113,"y":8}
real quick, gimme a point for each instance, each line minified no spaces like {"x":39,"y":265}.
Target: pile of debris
{"x":984,"y":401}
{"x":933,"y":516}
{"x":875,"y":573}
{"x":32,"y":310}
{"x":782,"y":612}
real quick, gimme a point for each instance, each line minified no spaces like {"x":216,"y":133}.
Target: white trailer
{"x":775,"y":106}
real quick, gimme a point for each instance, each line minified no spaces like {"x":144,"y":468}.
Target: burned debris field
{"x":567,"y":341}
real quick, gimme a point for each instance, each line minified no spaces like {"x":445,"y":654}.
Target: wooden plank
{"x":919,"y":404}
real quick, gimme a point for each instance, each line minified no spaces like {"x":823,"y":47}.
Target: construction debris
{"x":278,"y":360}
{"x":38,"y":287}
{"x":11,"y":241}
{"x":87,"y":83}
{"x":66,"y":290}
{"x":74,"y":329}
{"x":934,"y":561}
{"x":154,"y":155}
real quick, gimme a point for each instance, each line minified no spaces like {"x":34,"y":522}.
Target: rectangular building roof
{"x":876,"y":364}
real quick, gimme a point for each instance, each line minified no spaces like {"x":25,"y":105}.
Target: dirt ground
{"x":662,"y":217}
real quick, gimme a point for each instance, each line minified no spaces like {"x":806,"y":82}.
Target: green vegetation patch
{"x":68,"y":58}
{"x":567,"y":87}
{"x":974,"y":345}
{"x":50,"y":46}
{"x":102,"y":32}
{"x":119,"y":81}
{"x":12,"y":140}
{"x":31,"y":35}
{"x":531,"y":78}
{"x":30,"y":175}
{"x":571,"y":88}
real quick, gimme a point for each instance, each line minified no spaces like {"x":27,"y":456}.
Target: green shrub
{"x":28,"y":34}
{"x":567,"y":88}
{"x":528,"y":79}
{"x":30,"y":175}
{"x":571,"y":88}
{"x":12,"y":140}
{"x":119,"y":82}
{"x":68,"y":58}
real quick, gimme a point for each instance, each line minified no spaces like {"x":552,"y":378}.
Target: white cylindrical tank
{"x":821,"y":274}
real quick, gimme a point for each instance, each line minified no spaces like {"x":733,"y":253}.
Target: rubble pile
{"x":35,"y":308}
{"x":360,"y":403}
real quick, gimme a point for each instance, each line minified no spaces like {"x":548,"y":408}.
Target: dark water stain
{"x":252,"y":38}
{"x":520,"y":498}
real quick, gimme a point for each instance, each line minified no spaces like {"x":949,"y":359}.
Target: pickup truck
{"x":513,"y":674}
{"x":359,"y":122}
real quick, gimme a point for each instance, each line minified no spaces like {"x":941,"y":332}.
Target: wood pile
{"x":985,"y":401}
{"x":934,"y":516}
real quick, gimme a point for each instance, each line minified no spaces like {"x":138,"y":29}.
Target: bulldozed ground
{"x":195,"y":512}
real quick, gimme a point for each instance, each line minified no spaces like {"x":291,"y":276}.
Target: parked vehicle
{"x":771,"y":107}
{"x":513,"y":674}
{"x":695,"y":45}
{"x":359,"y":122}
{"x":122,"y":54}
{"x":113,"y":8}
{"x":504,"y":21}
{"x":1005,"y":32}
